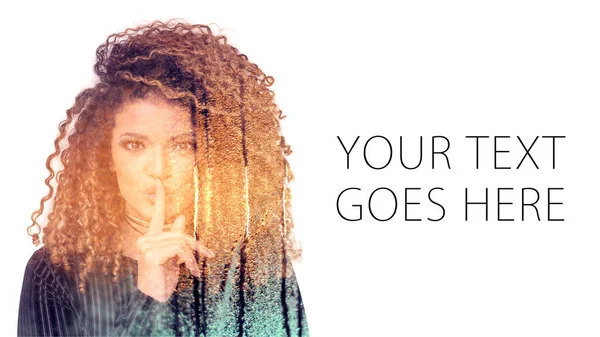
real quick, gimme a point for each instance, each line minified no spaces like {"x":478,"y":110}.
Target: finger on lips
{"x":174,"y":244}
{"x":158,"y":218}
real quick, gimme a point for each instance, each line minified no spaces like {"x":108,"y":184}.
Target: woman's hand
{"x":160,"y":253}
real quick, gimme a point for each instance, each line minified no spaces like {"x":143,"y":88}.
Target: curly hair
{"x":242,"y":174}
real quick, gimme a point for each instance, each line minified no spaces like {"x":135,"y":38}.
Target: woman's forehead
{"x":153,"y":116}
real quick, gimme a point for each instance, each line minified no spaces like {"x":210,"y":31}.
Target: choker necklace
{"x":137,"y":221}
{"x":135,"y":229}
{"x":131,"y":220}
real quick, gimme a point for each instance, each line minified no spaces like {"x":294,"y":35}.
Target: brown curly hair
{"x":242,"y":197}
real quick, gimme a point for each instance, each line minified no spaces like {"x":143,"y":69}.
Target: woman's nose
{"x":158,"y":166}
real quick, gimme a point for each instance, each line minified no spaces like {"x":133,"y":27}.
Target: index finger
{"x":158,"y":218}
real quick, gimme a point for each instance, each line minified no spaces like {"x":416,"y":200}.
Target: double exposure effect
{"x":171,"y":214}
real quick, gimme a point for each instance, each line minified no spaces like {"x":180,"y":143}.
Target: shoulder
{"x":39,"y":261}
{"x":40,"y":267}
{"x":46,"y":280}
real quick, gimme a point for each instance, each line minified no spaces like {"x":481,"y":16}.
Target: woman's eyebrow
{"x":183,"y":136}
{"x":134,"y":135}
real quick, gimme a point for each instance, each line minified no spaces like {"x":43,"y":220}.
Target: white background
{"x":426,"y":68}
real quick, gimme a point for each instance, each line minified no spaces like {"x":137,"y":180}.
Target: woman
{"x":170,"y":216}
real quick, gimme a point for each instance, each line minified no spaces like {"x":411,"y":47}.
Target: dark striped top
{"x":51,"y":305}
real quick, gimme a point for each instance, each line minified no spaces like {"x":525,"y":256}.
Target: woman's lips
{"x":150,"y":195}
{"x":150,"y":190}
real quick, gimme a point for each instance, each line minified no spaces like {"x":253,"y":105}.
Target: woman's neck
{"x":130,"y":237}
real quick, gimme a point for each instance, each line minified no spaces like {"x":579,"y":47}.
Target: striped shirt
{"x":51,"y":305}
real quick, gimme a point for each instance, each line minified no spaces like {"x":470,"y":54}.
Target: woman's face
{"x":153,"y":140}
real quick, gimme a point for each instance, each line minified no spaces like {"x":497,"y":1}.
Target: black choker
{"x":145,"y":224}
{"x":137,"y":221}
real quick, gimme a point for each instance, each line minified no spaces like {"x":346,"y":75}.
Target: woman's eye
{"x":134,"y":146}
{"x":183,"y":146}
